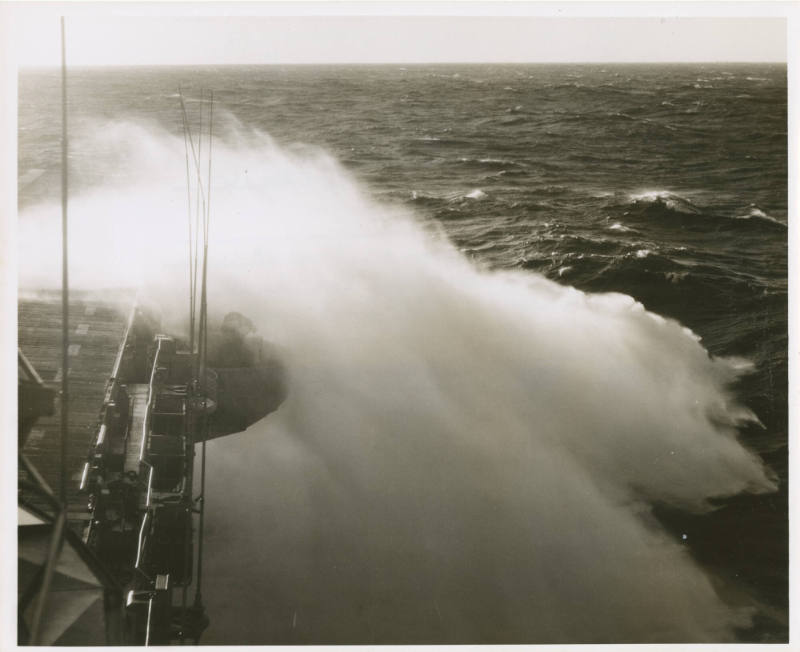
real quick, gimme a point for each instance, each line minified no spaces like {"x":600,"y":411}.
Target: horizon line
{"x":397,"y":63}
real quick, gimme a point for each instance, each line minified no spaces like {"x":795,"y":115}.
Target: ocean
{"x":475,"y":445}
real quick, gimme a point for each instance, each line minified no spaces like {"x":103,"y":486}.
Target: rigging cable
{"x":201,"y":193}
{"x":189,"y":214}
{"x":198,"y":324}
{"x":204,"y":311}
{"x":190,"y":425}
{"x":64,"y":274}
{"x":60,"y":520}
{"x":197,"y":202}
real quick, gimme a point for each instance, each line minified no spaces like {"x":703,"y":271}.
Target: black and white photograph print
{"x":397,"y":324}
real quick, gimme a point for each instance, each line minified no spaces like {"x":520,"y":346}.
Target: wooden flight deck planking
{"x":97,"y":326}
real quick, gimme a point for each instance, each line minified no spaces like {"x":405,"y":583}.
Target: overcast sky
{"x":95,"y":39}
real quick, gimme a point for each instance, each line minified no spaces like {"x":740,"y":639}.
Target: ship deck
{"x":97,"y":326}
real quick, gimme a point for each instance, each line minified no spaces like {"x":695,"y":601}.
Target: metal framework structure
{"x":140,"y":537}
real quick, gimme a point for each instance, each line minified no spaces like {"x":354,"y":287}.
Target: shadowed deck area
{"x":97,"y":325}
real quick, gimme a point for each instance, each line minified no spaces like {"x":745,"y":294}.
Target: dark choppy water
{"x":667,"y":183}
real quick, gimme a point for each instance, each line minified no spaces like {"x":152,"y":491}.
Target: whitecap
{"x":756,"y":212}
{"x":669,"y":199}
{"x":617,"y":226}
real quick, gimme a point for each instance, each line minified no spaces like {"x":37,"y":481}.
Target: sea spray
{"x":464,"y":456}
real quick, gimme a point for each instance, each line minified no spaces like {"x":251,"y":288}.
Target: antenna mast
{"x":60,"y":521}
{"x":198,"y":327}
{"x":64,"y":276}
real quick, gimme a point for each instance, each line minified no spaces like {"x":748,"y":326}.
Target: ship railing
{"x":149,"y":405}
{"x":148,"y":473}
{"x":143,"y":563}
{"x":157,"y":375}
{"x":147,"y":608}
{"x":113,"y":380}
{"x":149,"y":495}
{"x":158,"y":393}
{"x":96,"y":460}
{"x":136,"y":603}
{"x":144,"y":539}
{"x":146,"y":470}
{"x":141,"y":547}
{"x":153,"y":497}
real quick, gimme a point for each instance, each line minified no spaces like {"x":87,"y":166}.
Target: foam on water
{"x":477,"y":193}
{"x":757,"y":213}
{"x":463,"y":456}
{"x":671,"y":200}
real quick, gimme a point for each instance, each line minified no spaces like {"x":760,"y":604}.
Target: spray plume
{"x":464,"y":455}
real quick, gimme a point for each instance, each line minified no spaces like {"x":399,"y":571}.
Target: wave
{"x":477,"y":193}
{"x":670,"y":200}
{"x":450,"y":197}
{"x":435,"y":141}
{"x":617,"y":226}
{"x":755,"y":213}
{"x":464,"y":455}
{"x":490,"y":162}
{"x":652,"y":272}
{"x":667,"y":203}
